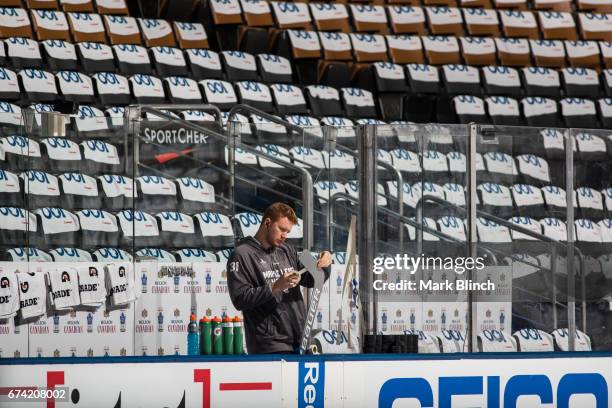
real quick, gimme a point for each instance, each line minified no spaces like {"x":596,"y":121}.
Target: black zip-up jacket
{"x":273,"y":323}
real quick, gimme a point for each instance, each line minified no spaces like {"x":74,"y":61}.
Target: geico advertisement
{"x":314,"y":382}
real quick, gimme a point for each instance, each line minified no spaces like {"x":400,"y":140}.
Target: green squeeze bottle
{"x":238,"y":349}
{"x":205,"y":336}
{"x":217,"y":336}
{"x":228,"y":336}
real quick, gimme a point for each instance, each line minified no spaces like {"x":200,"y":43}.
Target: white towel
{"x":120,"y":283}
{"x":9,"y":294}
{"x":92,"y":286}
{"x":32,"y":294}
{"x":64,"y":288}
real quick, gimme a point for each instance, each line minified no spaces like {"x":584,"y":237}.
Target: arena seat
{"x":291,"y":15}
{"x":60,"y":55}
{"x":50,"y":25}
{"x":442,"y":50}
{"x":519,"y":24}
{"x":478,"y":51}
{"x":77,"y":6}
{"x":513,"y":52}
{"x":557,"y":25}
{"x":112,"y":88}
{"x":330,"y":17}
{"x":583,"y":54}
{"x":86,"y":27}
{"x":481,"y":21}
{"x":122,"y":30}
{"x":156,"y":32}
{"x":117,"y":7}
{"x":369,"y":18}
{"x":405,"y":19}
{"x":169,"y":61}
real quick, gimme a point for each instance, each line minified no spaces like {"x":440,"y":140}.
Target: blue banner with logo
{"x":311,"y":384}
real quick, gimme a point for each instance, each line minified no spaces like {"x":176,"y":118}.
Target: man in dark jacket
{"x":264,"y":284}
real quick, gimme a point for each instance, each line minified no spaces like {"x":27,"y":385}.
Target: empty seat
{"x":325,"y":190}
{"x":595,"y":26}
{"x":257,"y":13}
{"x":302,"y":44}
{"x":9,"y":85}
{"x":557,"y":25}
{"x":216,"y":229}
{"x":118,"y":7}
{"x":156,"y":193}
{"x":195,"y":255}
{"x":182,"y":90}
{"x":588,"y":231}
{"x":176,"y":229}
{"x":590,"y":202}
{"x":157,"y":254}
{"x":10,"y":189}
{"x":41,"y":189}
{"x":75,"y":87}
{"x":478,"y":50}
{"x":100,"y":157}
{"x":491,"y":232}
{"x":95,"y":57}
{"x":555,"y":200}
{"x":527,"y":223}
{"x":274,"y":68}
{"x":289,"y":99}
{"x":190,"y":35}
{"x":583,"y":53}
{"x":239,"y":66}
{"x":90,"y":122}
{"x":98,"y":228}
{"x":138,"y":228}
{"x":23,"y":52}
{"x":345,"y":129}
{"x":330,"y":16}
{"x":557,"y":5}
{"x":445,"y":21}
{"x":204,"y":64}
{"x":605,"y":112}
{"x":499,"y":80}
{"x":528,"y":200}
{"x":10,"y":116}
{"x":405,"y":49}
{"x":280,"y":153}
{"x":225,"y":12}
{"x":540,"y":111}
{"x":60,"y":55}
{"x":195,"y":194}
{"x":541,"y":81}
{"x":169,"y":61}
{"x":533,"y":169}
{"x":461,"y":79}
{"x":442,"y":50}
{"x":580,"y":82}
{"x":548,"y":53}
{"x":16,"y":225}
{"x":39,"y":85}
{"x":79,"y":191}
{"x":336,"y":46}
{"x":369,"y":18}
{"x":313,"y":132}
{"x":590,"y":147}
{"x":156,"y":32}
{"x":500,"y":167}
{"x":122,"y":29}
{"x":255,"y":94}
{"x":519,"y":24}
{"x":389,"y":77}
{"x":59,"y":226}
{"x":406,"y":19}
{"x":219,"y":93}
{"x":86,"y":27}
{"x":28,"y":254}
{"x":14,"y":22}
{"x":64,"y":254}
{"x":111,"y":254}
{"x":291,"y":15}
{"x":132,"y":59}
{"x":513,"y":52}
{"x":423,"y":78}
{"x":578,"y":112}
{"x":469,"y":109}
{"x":323,"y":100}
{"x":503,"y":110}
{"x":79,"y":6}
{"x":119,"y":191}
{"x":606,"y":53}
{"x":50,"y":25}
{"x":147,"y":88}
{"x":358,"y":103}
{"x":368,"y":47}
{"x":481,"y":21}
{"x":112,"y":88}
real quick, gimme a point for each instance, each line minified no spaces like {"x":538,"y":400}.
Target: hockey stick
{"x":310,"y":265}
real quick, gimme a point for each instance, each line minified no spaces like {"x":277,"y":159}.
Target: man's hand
{"x":325,"y":259}
{"x":287,"y":281}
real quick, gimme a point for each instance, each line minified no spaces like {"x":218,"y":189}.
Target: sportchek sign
{"x":317,"y":381}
